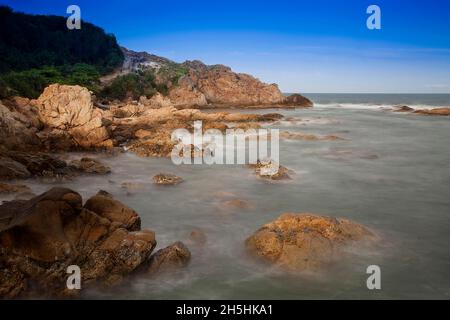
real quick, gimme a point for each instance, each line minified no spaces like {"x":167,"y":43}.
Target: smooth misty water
{"x":402,"y":194}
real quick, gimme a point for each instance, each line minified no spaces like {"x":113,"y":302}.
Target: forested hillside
{"x":37,"y":50}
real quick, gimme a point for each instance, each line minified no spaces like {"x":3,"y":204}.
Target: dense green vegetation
{"x":144,"y":83}
{"x":37,"y":50}
{"x":31,"y":83}
{"x":131,"y":85}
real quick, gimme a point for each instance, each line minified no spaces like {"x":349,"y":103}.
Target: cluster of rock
{"x":40,"y":238}
{"x":22,"y":165}
{"x":66,"y":118}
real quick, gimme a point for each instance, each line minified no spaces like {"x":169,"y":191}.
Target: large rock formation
{"x":195,"y":84}
{"x":41,"y":237}
{"x":219,"y":86}
{"x":70,"y":109}
{"x":19,"y":123}
{"x":300,"y":242}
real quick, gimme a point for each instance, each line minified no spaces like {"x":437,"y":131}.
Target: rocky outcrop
{"x":89,"y":165}
{"x":22,"y":165}
{"x":434,"y":112}
{"x":271,"y":170}
{"x":11,"y":169}
{"x":41,"y":237}
{"x":307,"y":137}
{"x":297,"y":100}
{"x":304,"y":242}
{"x":106,"y":206}
{"x":19,"y":124}
{"x":403,"y":109}
{"x":156,"y":101}
{"x":167,"y":179}
{"x":70,"y":109}
{"x":13,"y":188}
{"x":173,"y":257}
{"x":219,"y":86}
{"x":185,"y":94}
{"x":149,"y":134}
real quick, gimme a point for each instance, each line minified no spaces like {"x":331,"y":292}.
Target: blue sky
{"x":304,"y":46}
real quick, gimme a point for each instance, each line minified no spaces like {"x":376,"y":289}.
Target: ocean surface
{"x":391,"y":173}
{"x":364,"y":100}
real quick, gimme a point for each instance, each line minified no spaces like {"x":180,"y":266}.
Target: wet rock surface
{"x":89,"y":165}
{"x":307,"y":137}
{"x":271,"y":170}
{"x":41,"y":237}
{"x":173,"y":257}
{"x":434,"y":112}
{"x":167,"y":179}
{"x":304,"y":242}
{"x":13,"y":188}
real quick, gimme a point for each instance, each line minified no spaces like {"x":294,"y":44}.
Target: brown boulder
{"x":298,"y":100}
{"x":106,"y":206}
{"x":300,"y":242}
{"x":10,"y":169}
{"x":271,"y":170}
{"x":173,"y":257}
{"x":13,"y":188}
{"x":403,"y":109}
{"x":167,"y":179}
{"x":89,"y":165}
{"x":41,"y":237}
{"x":18,"y":127}
{"x":71,"y":108}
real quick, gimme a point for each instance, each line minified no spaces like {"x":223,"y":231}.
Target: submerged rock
{"x":13,"y":188}
{"x":403,"y":109}
{"x":41,"y":237}
{"x":167,"y":179}
{"x":198,"y":237}
{"x":307,"y":137}
{"x":434,"y":112}
{"x":271,"y":170}
{"x":173,"y":257}
{"x":89,"y":165}
{"x":237,"y":204}
{"x":301,"y":242}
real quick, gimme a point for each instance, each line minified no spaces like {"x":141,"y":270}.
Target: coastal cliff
{"x":193,"y":84}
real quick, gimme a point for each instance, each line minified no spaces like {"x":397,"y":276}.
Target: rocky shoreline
{"x":41,"y":236}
